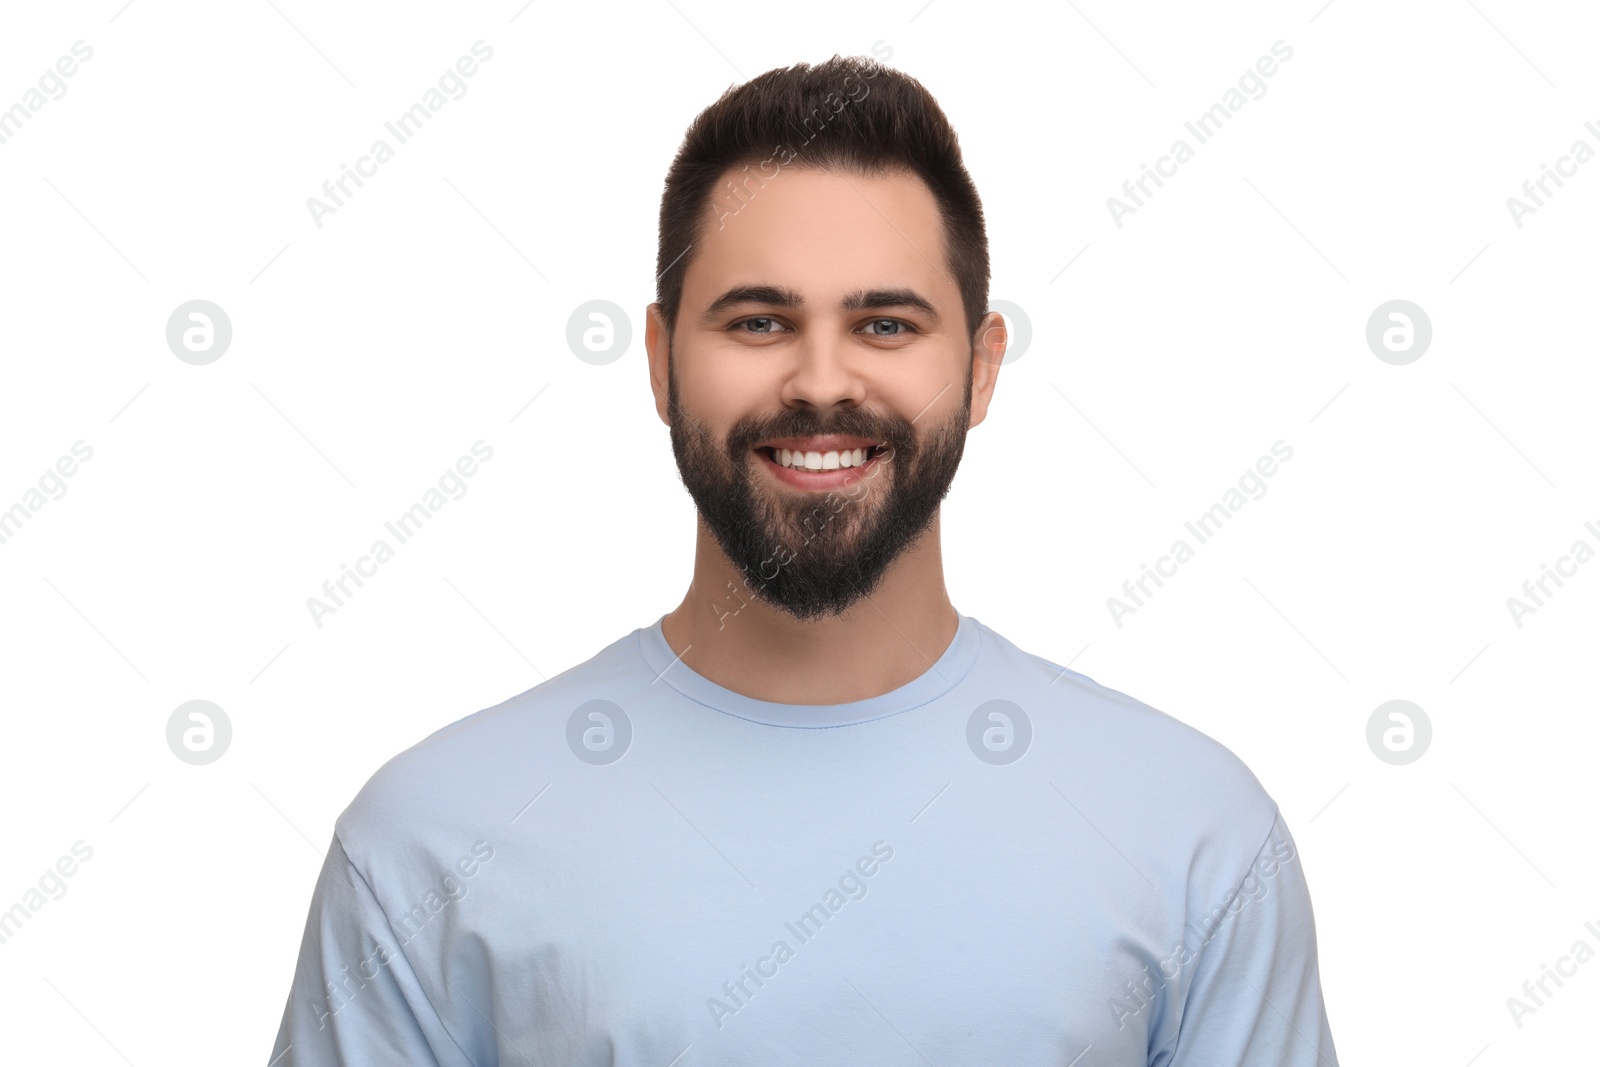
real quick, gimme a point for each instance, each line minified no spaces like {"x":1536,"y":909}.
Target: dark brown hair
{"x":848,"y":113}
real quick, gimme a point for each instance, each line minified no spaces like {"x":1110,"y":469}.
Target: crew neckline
{"x":944,"y":675}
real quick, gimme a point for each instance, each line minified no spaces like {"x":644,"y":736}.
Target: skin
{"x":823,"y":234}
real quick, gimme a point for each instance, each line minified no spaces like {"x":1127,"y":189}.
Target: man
{"x":814,"y":815}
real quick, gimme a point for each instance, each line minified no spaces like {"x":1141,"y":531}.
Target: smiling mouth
{"x":838,"y":459}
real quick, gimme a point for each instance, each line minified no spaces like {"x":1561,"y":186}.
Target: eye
{"x":765,"y":324}
{"x":899,"y":328}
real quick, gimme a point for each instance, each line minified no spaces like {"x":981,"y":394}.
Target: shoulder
{"x":1167,"y":778}
{"x":472,"y":776}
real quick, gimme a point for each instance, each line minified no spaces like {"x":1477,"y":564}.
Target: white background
{"x":430,"y":312}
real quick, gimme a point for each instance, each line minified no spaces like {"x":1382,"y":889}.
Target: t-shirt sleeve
{"x":1255,"y":998}
{"x":355,"y":998}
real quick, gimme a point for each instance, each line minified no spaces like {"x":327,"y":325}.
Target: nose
{"x":824,"y":372}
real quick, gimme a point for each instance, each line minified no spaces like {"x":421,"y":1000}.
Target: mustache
{"x":747,"y":433}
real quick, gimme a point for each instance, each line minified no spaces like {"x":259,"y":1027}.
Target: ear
{"x":656,"y":344}
{"x":988,"y":349}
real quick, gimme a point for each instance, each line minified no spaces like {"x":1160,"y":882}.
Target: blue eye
{"x":767,"y":325}
{"x":740,"y":325}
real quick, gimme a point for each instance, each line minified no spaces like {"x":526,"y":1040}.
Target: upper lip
{"x":835,"y":442}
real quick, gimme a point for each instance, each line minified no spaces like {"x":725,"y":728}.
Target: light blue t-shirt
{"x":1001,"y":862}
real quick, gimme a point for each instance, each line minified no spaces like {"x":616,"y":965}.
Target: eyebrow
{"x":784,"y":297}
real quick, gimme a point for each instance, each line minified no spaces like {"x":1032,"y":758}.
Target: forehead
{"x":821,"y":232}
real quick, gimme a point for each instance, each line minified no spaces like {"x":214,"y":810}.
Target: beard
{"x":813,"y":553}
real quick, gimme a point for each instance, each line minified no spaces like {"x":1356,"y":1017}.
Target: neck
{"x":724,"y":632}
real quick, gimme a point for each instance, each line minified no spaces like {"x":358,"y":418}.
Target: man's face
{"x":822,"y":306}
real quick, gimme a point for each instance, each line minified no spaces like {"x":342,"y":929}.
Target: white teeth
{"x":821,"y":461}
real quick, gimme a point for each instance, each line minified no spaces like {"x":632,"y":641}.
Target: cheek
{"x":727,"y":377}
{"x":711,"y":391}
{"x":721,"y":391}
{"x":929,"y":395}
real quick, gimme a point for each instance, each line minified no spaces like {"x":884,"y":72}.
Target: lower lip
{"x":803,"y":479}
